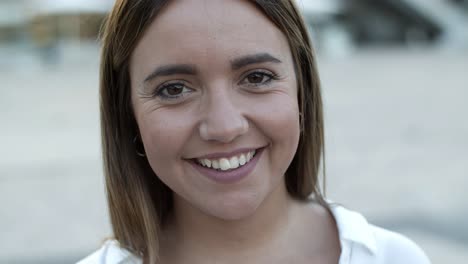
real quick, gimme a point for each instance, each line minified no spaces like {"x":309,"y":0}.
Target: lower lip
{"x":229,"y":176}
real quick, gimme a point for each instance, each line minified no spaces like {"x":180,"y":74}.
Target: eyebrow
{"x":190,"y":69}
{"x":253,"y":59}
{"x":172,"y":69}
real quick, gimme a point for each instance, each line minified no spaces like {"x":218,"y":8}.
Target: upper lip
{"x":218,"y":155}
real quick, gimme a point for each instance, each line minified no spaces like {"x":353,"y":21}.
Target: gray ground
{"x":397,"y":150}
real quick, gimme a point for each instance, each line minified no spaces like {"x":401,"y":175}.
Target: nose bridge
{"x":223,"y":119}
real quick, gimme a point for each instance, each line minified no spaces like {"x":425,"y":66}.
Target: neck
{"x":193,"y":232}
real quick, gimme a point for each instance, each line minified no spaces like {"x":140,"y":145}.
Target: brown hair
{"x":138,"y":201}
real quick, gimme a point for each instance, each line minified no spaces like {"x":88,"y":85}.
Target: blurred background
{"x":395,"y":86}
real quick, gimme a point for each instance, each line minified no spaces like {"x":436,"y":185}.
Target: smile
{"x":228,"y":163}
{"x":228,"y":168}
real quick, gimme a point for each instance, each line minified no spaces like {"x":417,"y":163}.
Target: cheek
{"x":163,"y":134}
{"x":278,"y":120}
{"x":286,"y":129}
{"x":280,"y":115}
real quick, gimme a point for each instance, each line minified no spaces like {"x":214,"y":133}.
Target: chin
{"x":235,"y":208}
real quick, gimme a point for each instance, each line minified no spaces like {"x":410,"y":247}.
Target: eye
{"x":258,"y":77}
{"x":170,"y":91}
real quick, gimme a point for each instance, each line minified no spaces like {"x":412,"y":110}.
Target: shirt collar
{"x":353,"y":227}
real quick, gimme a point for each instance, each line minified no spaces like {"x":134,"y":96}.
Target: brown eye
{"x":174,"y":89}
{"x":256,"y":78}
{"x":170,"y":91}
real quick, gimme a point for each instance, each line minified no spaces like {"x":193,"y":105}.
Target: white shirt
{"x":361,"y":243}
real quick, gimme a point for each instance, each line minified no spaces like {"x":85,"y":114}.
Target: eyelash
{"x":264,"y":73}
{"x":159,"y":92}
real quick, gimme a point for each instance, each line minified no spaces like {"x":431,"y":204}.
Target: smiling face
{"x":215,"y":98}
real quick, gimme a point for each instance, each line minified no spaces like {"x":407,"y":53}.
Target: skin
{"x":221,"y":108}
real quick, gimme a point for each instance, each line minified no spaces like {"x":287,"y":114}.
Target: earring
{"x":138,"y":143}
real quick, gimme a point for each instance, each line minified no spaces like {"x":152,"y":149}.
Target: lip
{"x":229,"y":176}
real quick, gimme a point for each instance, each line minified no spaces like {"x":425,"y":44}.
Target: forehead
{"x":202,"y":31}
{"x":211,"y":16}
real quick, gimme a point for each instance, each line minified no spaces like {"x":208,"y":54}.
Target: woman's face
{"x":213,"y":83}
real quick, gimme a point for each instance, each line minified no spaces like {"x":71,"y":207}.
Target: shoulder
{"x":111,"y":253}
{"x":363,"y":242}
{"x":396,"y":248}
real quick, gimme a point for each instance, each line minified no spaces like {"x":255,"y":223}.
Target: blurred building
{"x":48,"y":30}
{"x":337,"y":26}
{"x":69,"y":19}
{"x":340,"y":25}
{"x":461,"y":3}
{"x":40,"y":21}
{"x":13,"y":19}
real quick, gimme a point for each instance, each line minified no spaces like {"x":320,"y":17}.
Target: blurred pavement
{"x":397,"y":150}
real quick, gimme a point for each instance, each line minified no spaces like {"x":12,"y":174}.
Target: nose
{"x":223,"y":121}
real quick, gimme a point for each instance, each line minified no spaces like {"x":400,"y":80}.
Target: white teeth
{"x":224,"y":164}
{"x":242,"y":160}
{"x":234,"y":161}
{"x":215,"y":164}
{"x":227,"y":163}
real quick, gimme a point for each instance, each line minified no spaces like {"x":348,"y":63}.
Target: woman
{"x":212,"y":138}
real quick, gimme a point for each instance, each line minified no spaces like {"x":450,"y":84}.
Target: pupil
{"x":174,"y":90}
{"x":255,"y":78}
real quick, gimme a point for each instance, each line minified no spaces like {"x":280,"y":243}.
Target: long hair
{"x":138,"y":201}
